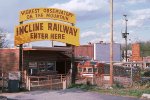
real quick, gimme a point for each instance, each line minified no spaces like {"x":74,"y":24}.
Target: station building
{"x":37,"y":60}
{"x":46,"y":60}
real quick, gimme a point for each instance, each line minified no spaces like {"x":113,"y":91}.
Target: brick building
{"x":146,"y":62}
{"x":86,"y":51}
{"x":99,"y":51}
{"x":37,"y":60}
{"x":9,"y":60}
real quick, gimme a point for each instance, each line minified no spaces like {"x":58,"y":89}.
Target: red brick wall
{"x":9,"y":59}
{"x":85,"y":50}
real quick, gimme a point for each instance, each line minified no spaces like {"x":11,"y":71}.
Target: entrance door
{"x":60,"y":67}
{"x":63,"y":67}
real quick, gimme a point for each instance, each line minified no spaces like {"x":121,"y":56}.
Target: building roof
{"x":50,"y":48}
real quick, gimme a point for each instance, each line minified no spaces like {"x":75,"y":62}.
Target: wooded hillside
{"x":144,"y":46}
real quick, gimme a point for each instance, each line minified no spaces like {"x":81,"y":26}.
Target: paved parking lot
{"x":68,"y":94}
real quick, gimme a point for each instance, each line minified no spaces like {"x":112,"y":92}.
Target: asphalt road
{"x":68,"y":94}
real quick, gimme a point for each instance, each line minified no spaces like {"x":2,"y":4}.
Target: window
{"x":95,"y":70}
{"x":32,"y":68}
{"x":93,"y":63}
{"x":33,"y":64}
{"x":84,"y":69}
{"x":90,"y":70}
{"x":42,"y":66}
{"x":106,"y":70}
{"x":50,"y":66}
{"x":79,"y":69}
{"x":147,"y":65}
{"x":32,"y":71}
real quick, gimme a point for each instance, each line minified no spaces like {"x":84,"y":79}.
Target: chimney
{"x":89,"y":43}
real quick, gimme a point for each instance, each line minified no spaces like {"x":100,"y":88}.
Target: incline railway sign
{"x":46,"y":30}
{"x":47,"y":13}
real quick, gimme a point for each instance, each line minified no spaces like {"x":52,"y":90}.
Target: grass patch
{"x":82,"y":86}
{"x":125,"y":92}
{"x":115,"y":91}
{"x":117,"y":85}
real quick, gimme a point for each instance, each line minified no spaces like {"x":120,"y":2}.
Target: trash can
{"x":13,"y":82}
{"x":13,"y":85}
{"x":3,"y":98}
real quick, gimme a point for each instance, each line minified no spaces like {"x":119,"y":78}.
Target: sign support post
{"x":73,"y":67}
{"x":20,"y":61}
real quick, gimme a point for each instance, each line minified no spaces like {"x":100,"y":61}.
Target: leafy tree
{"x":144,"y":47}
{"x":3,"y":40}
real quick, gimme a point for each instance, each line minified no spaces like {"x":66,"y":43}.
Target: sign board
{"x":14,"y":75}
{"x":45,"y":30}
{"x":33,"y":64}
{"x":136,"y":52}
{"x":47,"y":13}
{"x":107,"y":78}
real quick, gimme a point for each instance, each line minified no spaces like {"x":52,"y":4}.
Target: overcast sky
{"x":92,"y":18}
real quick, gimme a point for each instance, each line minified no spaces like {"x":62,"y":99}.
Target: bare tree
{"x":3,"y":40}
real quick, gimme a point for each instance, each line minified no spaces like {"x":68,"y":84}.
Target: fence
{"x":96,"y":80}
{"x":58,"y":81}
{"x":3,"y":80}
{"x":103,"y":80}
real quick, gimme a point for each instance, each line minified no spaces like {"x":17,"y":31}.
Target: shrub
{"x":146,"y":74}
{"x":118,"y":85}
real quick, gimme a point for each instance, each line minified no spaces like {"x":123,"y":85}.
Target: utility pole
{"x":124,"y":35}
{"x":111,"y":42}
